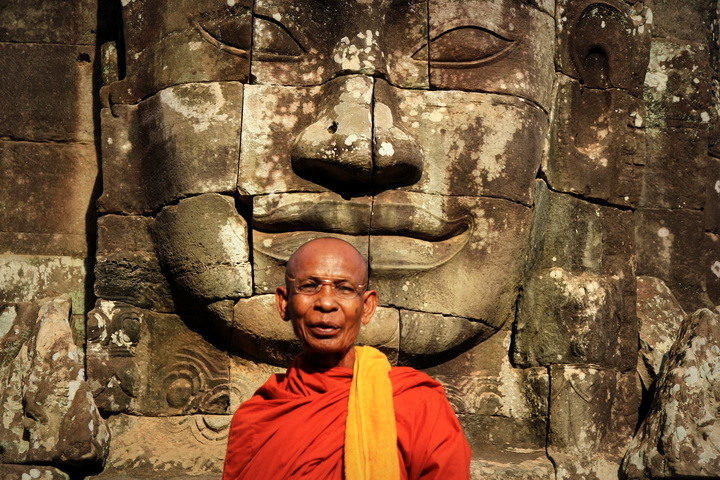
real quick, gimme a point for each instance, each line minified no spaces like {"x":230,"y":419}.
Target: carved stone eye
{"x":274,"y":41}
{"x":465,"y":47}
{"x":227,"y":28}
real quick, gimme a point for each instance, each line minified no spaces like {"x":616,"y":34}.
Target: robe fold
{"x":294,"y":427}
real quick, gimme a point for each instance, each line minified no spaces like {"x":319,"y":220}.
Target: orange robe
{"x":294,"y":427}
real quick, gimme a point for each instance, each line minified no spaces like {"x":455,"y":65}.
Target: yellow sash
{"x":370,"y":433}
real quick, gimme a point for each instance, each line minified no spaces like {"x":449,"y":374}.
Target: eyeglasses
{"x":312,"y":285}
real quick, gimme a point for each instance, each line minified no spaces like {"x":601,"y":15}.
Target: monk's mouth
{"x":401,"y":237}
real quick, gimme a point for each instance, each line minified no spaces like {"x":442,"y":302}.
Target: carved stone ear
{"x":605,"y":44}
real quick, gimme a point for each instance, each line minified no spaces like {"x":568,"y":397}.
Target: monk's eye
{"x":229,"y":30}
{"x":273,"y":41}
{"x":465,"y":47}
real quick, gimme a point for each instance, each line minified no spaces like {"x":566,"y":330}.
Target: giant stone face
{"x":413,"y":129}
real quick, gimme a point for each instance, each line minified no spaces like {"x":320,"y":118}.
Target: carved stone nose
{"x":352,"y":150}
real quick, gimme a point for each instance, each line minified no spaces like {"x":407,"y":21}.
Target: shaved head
{"x":327,"y":245}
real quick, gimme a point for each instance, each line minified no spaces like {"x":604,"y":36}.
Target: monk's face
{"x":327,"y":324}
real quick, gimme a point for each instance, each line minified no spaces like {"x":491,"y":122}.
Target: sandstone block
{"x":189,"y":446}
{"x":47,"y":172}
{"x":677,"y":85}
{"x":696,"y":20}
{"x":126,"y":265}
{"x":181,"y":141}
{"x":669,"y":244}
{"x":711,"y":208}
{"x":711,"y":248}
{"x":679,"y":437}
{"x":596,"y":149}
{"x":676,"y":174}
{"x":604,"y":44}
{"x":202,"y":243}
{"x":659,"y":315}
{"x":54,"y":22}
{"x":342,"y":39}
{"x":162,"y":40}
{"x":28,"y":277}
{"x":523,"y":66}
{"x":40,"y":105}
{"x":31,"y":472}
{"x":593,"y":414}
{"x":148,"y":363}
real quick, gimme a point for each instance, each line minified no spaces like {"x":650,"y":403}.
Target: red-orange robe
{"x":294,"y":427}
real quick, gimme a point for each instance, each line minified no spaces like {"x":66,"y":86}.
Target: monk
{"x":342,"y":411}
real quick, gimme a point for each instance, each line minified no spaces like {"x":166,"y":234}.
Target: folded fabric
{"x":370,"y":431}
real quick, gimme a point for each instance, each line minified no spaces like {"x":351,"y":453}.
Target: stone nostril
{"x":332,"y":128}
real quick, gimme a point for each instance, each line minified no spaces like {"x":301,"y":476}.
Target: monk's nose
{"x":355,"y":146}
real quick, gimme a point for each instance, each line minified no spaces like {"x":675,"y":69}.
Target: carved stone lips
{"x":403,"y":237}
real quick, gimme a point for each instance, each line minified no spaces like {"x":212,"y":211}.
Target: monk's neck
{"x":326,"y":361}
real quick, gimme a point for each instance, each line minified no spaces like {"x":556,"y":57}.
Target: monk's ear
{"x":281,"y":300}
{"x":370,"y":301}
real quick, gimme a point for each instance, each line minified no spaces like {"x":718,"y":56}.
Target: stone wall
{"x":536,"y":185}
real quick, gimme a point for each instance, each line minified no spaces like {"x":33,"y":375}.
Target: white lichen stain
{"x":386,"y":149}
{"x":202,"y":114}
{"x":705,"y":117}
{"x":717,"y":186}
{"x":715,"y":268}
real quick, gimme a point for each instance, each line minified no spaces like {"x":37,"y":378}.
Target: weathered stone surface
{"x":31,"y":472}
{"x":428,"y":338}
{"x":148,"y":363}
{"x":203,"y":243}
{"x":181,"y":141}
{"x":711,"y":262}
{"x":676,"y":174}
{"x":311,"y":44}
{"x":191,"y":446}
{"x":578,"y":304}
{"x":503,"y":409}
{"x":669,"y":244}
{"x":695,"y":24}
{"x":572,"y":318}
{"x":459,"y":143}
{"x":126,"y":266}
{"x":679,"y":438}
{"x":593,"y":414}
{"x":517,"y":466}
{"x":659,"y":315}
{"x":188,"y":41}
{"x":35,"y":102}
{"x":27,"y":277}
{"x":262,"y":334}
{"x":45,"y":173}
{"x":604,"y":44}
{"x":48,"y":411}
{"x":677,"y":85}
{"x":52,"y":22}
{"x":711,"y":208}
{"x":597,"y":149}
{"x":498,"y":46}
{"x":246,"y":376}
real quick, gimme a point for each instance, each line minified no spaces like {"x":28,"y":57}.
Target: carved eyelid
{"x":210,"y":38}
{"x":286,"y":31}
{"x":499,"y":52}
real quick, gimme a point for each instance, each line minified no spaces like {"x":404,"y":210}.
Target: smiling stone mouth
{"x":400,"y":237}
